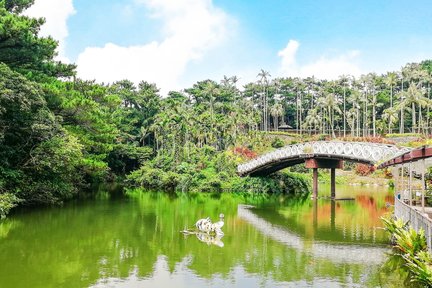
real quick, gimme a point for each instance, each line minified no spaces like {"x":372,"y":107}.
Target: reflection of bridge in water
{"x":354,"y":254}
{"x":320,"y":154}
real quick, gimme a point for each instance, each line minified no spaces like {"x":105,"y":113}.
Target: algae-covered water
{"x":135,"y":241}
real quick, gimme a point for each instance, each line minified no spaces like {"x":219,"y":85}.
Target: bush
{"x":364,"y":169}
{"x":369,"y":139}
{"x":412,"y":249}
{"x":277,"y":143}
{"x":7,"y":202}
{"x":278,"y":183}
{"x":245,"y":152}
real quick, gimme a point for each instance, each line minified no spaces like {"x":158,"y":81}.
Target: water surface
{"x":135,"y":241}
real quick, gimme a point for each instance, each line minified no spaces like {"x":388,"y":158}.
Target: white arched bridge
{"x":320,"y":154}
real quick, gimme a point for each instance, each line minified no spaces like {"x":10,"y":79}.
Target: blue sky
{"x":175,"y":43}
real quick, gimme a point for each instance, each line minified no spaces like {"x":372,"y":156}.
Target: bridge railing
{"x":416,"y":219}
{"x":364,"y":151}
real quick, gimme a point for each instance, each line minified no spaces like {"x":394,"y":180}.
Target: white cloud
{"x":289,"y":53}
{"x":323,"y":68}
{"x":56,"y":14}
{"x":190,"y":29}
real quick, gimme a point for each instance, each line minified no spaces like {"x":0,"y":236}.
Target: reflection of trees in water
{"x":344,"y":221}
{"x":77,"y":246}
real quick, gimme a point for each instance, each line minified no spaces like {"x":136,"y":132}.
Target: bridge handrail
{"x":375,"y":152}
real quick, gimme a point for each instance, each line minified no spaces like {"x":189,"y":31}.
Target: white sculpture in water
{"x":205,"y":225}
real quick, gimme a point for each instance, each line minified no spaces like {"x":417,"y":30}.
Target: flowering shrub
{"x":245,"y":152}
{"x":370,"y":139}
{"x":364,"y":169}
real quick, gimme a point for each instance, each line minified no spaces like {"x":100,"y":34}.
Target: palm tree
{"x":391,"y":81}
{"x":414,"y":96}
{"x":344,"y":81}
{"x":313,"y":120}
{"x":299,"y":86}
{"x":263,"y":75}
{"x":331,"y":104}
{"x":355,"y":99}
{"x":372,"y":86}
{"x":276,"y":111}
{"x":390,"y":116}
{"x":209,"y":91}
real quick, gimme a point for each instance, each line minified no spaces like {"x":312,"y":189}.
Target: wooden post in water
{"x":333,"y":183}
{"x":313,"y":163}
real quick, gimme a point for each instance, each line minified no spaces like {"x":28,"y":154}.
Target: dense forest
{"x":59,"y":134}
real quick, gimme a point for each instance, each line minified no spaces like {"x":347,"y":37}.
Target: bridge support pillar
{"x":323,"y":163}
{"x":333,"y":183}
{"x":315,"y":184}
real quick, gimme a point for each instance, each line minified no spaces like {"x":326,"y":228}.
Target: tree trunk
{"x":391,"y":96}
{"x":401,"y":126}
{"x":420,"y":120}
{"x":413,"y":118}
{"x":373,"y":117}
{"x":344,"y":114}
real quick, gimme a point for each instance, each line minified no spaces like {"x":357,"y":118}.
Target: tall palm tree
{"x":372,"y":78}
{"x":264,"y":81}
{"x":390,"y":116}
{"x":391,"y":80}
{"x":331,"y":103}
{"x":356,"y":98}
{"x":276,"y":111}
{"x":313,"y":120}
{"x":210,"y":92}
{"x":344,"y":80}
{"x":413,"y":96}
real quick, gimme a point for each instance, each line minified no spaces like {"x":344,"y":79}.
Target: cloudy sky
{"x":175,"y":43}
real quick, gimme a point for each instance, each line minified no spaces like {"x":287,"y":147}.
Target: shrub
{"x":277,"y":143}
{"x":412,"y":249}
{"x":369,"y":139}
{"x":7,"y":202}
{"x":245,"y":152}
{"x":364,"y":169}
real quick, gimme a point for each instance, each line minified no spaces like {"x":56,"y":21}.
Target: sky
{"x":175,"y":43}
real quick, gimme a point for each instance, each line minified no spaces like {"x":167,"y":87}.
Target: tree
{"x":391,"y":81}
{"x":414,"y":96}
{"x":264,"y":82}
{"x":276,"y":111}
{"x":356,"y":99}
{"x":22,"y":49}
{"x":40,"y":162}
{"x":331,"y":105}
{"x":390,"y":115}
{"x":313,"y":120}
{"x":344,"y":81}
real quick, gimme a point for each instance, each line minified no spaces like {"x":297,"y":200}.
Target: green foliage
{"x":283,"y":133}
{"x":278,"y":183}
{"x":7,"y":202}
{"x":396,"y":135}
{"x":277,"y":143}
{"x":22,"y":49}
{"x":412,"y":248}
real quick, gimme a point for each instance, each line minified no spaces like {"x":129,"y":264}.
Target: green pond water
{"x":135,"y":241}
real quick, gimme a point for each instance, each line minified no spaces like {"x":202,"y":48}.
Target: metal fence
{"x":415,"y":219}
